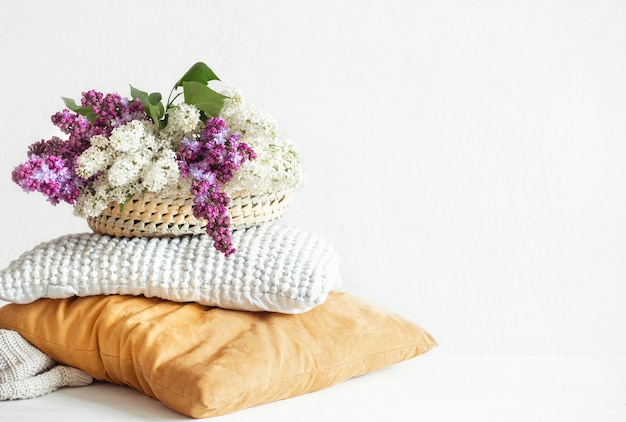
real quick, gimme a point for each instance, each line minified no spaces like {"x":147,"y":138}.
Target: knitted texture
{"x":25,"y":370}
{"x":276,"y":268}
{"x":19,"y":359}
{"x":44,"y":383}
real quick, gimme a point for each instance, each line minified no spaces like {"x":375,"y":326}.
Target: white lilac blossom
{"x":182,"y":120}
{"x":130,"y":137}
{"x":277,"y":166}
{"x":133,"y":160}
{"x":161,"y":172}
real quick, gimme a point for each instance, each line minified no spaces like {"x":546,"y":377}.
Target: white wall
{"x":466,"y":158}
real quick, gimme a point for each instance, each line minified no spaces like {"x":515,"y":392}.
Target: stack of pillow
{"x":204,"y":334}
{"x":203,"y":331}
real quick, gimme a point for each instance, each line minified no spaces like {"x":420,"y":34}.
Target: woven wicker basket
{"x":151,"y":216}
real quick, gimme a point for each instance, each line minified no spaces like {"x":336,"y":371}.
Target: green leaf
{"x":151,"y":103}
{"x":137,"y":93}
{"x":155,"y":101}
{"x":154,"y":98}
{"x":71,"y":104}
{"x":199,"y":72}
{"x":84,"y":111}
{"x":203,"y":97}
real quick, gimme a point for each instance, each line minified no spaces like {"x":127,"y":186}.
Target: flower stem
{"x":170,"y":102}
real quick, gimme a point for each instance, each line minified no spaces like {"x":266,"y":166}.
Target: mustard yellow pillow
{"x":203,"y":361}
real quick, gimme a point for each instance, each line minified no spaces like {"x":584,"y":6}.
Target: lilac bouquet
{"x":211,"y":145}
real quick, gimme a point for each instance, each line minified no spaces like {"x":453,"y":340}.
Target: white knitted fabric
{"x":276,"y":268}
{"x":44,"y":383}
{"x":19,"y":359}
{"x":26,"y":372}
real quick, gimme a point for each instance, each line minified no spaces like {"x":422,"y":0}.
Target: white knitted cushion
{"x":276,"y":268}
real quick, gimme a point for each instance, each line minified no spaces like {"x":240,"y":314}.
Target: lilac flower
{"x":51,"y":165}
{"x":212,"y":205}
{"x":209,"y":156}
{"x":92,"y":99}
{"x":75,"y":125}
{"x":210,"y":161}
{"x":114,"y":111}
{"x":48,"y":175}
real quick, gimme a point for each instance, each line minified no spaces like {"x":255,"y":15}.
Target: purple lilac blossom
{"x":48,"y":175}
{"x":210,"y":161}
{"x":51,"y":165}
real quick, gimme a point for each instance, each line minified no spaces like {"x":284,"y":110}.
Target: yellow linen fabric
{"x":203,"y":361}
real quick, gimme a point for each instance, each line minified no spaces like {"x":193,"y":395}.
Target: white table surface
{"x":427,"y":388}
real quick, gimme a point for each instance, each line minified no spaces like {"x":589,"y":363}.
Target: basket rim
{"x":151,"y":215}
